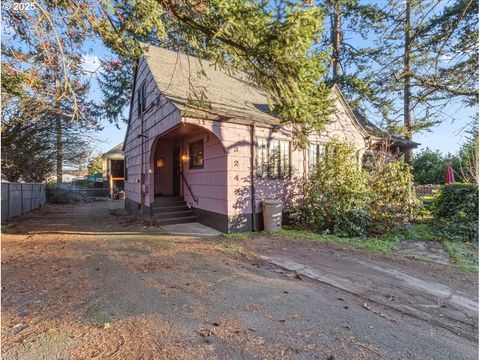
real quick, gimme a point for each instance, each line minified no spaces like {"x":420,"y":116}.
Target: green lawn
{"x":464,"y":256}
{"x":372,"y":244}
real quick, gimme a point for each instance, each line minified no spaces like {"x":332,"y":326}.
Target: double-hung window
{"x":315,"y":153}
{"x":196,"y":154}
{"x":273,"y":159}
{"x":141,"y":98}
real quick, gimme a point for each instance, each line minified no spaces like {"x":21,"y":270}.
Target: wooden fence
{"x":20,"y":198}
{"x":427,"y":190}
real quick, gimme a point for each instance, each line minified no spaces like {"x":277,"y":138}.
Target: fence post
{"x":31,"y":198}
{"x":8,"y":203}
{"x":21,"y":198}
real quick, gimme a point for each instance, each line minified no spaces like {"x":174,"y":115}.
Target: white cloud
{"x":90,"y":63}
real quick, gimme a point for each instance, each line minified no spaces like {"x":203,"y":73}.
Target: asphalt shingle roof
{"x":199,"y":86}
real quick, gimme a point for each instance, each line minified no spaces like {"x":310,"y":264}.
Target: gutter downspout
{"x":142,"y":175}
{"x":252,"y":173}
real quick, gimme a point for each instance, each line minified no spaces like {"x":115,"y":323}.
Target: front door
{"x":176,"y":171}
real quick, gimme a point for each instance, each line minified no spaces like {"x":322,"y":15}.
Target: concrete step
{"x":158,"y":205}
{"x":173,"y":214}
{"x":177,"y":220}
{"x":169,"y":208}
{"x":166,"y":199}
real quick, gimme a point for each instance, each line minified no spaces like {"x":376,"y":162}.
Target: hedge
{"x":456,"y":207}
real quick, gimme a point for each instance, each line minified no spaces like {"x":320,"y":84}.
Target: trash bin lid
{"x":272,"y":201}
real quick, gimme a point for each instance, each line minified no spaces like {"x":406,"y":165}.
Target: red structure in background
{"x":449,"y":177}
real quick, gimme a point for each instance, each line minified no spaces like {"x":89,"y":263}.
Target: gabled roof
{"x":198,"y":85}
{"x":113,"y":152}
{"x":375,"y":131}
{"x":370,"y":127}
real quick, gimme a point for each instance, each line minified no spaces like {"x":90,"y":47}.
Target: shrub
{"x":393,"y":201}
{"x":457,"y":208}
{"x":57,"y":195}
{"x":341,"y":199}
{"x":337,"y":194}
{"x":85,"y":183}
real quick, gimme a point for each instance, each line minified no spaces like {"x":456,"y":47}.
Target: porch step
{"x":169,"y":208}
{"x":172,"y":210}
{"x":167,"y":199}
{"x":158,"y":205}
{"x":177,"y":220}
{"x":174,"y":214}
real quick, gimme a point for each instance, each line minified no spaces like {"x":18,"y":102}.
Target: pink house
{"x":202,"y":146}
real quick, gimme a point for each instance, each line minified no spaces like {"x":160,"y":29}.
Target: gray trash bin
{"x":272,"y":214}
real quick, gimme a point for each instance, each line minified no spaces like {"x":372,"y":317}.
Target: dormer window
{"x":141,"y":99}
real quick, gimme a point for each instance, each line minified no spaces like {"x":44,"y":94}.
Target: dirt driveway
{"x":88,"y":282}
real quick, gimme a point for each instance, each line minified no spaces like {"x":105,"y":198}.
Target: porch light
{"x":159,"y":163}
{"x":184,"y":157}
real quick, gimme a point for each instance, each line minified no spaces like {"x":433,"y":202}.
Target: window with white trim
{"x":315,"y":153}
{"x":273,"y":159}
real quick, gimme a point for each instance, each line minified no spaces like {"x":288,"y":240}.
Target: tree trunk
{"x":59,"y":148}
{"x":58,"y":131}
{"x":407,"y":115}
{"x":335,"y":33}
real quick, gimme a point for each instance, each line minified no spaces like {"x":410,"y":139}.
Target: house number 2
{"x":235,"y":163}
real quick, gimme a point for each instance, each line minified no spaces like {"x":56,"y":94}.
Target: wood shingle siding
{"x":222,"y":187}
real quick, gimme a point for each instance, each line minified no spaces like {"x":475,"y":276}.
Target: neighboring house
{"x":114,"y":169}
{"x":200,"y":137}
{"x":69,"y":175}
{"x":396,"y":146}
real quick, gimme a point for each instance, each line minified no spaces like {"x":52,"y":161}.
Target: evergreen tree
{"x":95,"y":165}
{"x":350,"y":61}
{"x":275,"y":44}
{"x":420,"y":56}
{"x":45,"y":86}
{"x":451,"y":37}
{"x":408,"y":66}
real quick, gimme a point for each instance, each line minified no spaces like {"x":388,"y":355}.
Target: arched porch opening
{"x":189,"y":161}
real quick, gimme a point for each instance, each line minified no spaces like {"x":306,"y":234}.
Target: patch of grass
{"x":235,"y":250}
{"x":421,"y":231}
{"x":238,"y":236}
{"x":371,"y":244}
{"x":97,"y":316}
{"x":464,"y":255}
{"x":6,"y":227}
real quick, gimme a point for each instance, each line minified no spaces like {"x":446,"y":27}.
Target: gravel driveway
{"x":90,"y":282}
